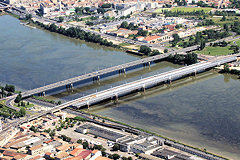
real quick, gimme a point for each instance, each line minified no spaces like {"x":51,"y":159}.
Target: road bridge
{"x":94,"y":76}
{"x":141,"y":84}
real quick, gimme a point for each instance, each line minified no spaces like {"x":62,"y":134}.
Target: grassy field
{"x":159,"y":10}
{"x":229,"y":20}
{"x":215,"y":51}
{"x":185,"y":9}
{"x":124,"y":44}
{"x":27,"y":106}
{"x":238,"y":42}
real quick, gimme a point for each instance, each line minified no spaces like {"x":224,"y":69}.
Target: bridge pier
{"x":144,"y":88}
{"x":116,"y":99}
{"x":170,"y":81}
{"x":41,"y":94}
{"x":195,"y":74}
{"x":88,"y":106}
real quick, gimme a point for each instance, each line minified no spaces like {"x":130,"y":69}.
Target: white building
{"x":44,"y":9}
{"x":128,"y":10}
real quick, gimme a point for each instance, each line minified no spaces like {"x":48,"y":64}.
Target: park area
{"x":191,"y":9}
{"x":161,"y":10}
{"x":229,"y":20}
{"x":216,"y":51}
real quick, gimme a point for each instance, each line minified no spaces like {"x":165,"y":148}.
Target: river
{"x":202,"y":111}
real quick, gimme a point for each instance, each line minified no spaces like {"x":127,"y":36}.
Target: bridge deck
{"x":149,"y":81}
{"x":93,"y":74}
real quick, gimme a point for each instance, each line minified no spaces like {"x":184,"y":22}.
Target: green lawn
{"x":229,"y":20}
{"x":27,"y":106}
{"x":238,"y":43}
{"x":216,"y":51}
{"x":185,"y":9}
{"x":124,"y":44}
{"x":159,"y":10}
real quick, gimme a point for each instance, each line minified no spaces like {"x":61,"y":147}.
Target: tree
{"x":115,"y":147}
{"x":22,"y":112}
{"x":18,"y":98}
{"x":155,"y":52}
{"x":110,"y":156}
{"x":165,"y":50}
{"x":202,"y":44}
{"x":79,"y":141}
{"x":9,"y":88}
{"x":154,"y":15}
{"x":28,"y":16}
{"x":145,"y":49}
{"x":98,"y":147}
{"x":226,"y":67}
{"x":87,"y":9}
{"x":223,"y":18}
{"x":53,"y":27}
{"x":106,"y":5}
{"x":226,"y":27}
{"x":191,"y":58}
{"x":124,"y":25}
{"x":101,"y":10}
{"x":79,"y":10}
{"x":85,"y":145}
{"x":115,"y":156}
{"x":235,"y":48}
{"x":142,"y":33}
{"x":175,"y":40}
{"x":60,"y":19}
{"x":34,"y":129}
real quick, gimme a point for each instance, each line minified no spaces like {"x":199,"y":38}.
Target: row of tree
{"x":75,"y":32}
{"x":188,"y":59}
{"x":205,"y":36}
{"x":148,"y":51}
{"x":182,"y":13}
{"x":130,"y":26}
{"x":11,"y":113}
{"x":220,"y":44}
{"x":8,"y":90}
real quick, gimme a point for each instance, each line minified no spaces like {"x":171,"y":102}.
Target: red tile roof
{"x":85,"y":153}
{"x":150,"y":38}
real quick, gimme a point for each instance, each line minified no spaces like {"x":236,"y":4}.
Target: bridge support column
{"x":124,"y":70}
{"x":170,"y":80}
{"x":116,"y":98}
{"x":98,"y":78}
{"x":71,"y":85}
{"x":144,"y":88}
{"x":88,"y":106}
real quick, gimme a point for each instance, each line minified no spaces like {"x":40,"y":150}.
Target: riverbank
{"x":49,"y":50}
{"x":167,"y":139}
